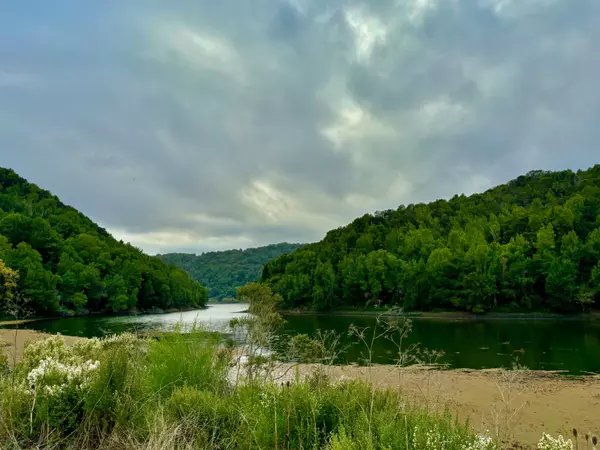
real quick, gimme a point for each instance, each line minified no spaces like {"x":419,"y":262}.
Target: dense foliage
{"x":531,"y":244}
{"x":66,"y":263}
{"x":223,"y":272}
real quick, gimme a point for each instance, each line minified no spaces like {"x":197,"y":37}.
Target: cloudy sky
{"x":189,"y":125}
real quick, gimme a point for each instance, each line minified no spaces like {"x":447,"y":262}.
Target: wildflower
{"x":53,"y":377}
{"x":481,"y":442}
{"x":547,"y":442}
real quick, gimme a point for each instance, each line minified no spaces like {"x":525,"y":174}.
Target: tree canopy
{"x":223,"y":272}
{"x":65,"y":263}
{"x":531,"y":244}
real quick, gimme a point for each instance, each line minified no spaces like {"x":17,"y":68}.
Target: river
{"x":572,"y":346}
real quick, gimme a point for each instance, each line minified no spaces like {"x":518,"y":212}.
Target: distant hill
{"x":68,"y":264}
{"x":531,"y":244}
{"x":223,"y":272}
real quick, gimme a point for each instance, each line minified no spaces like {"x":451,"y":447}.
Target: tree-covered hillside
{"x":223,"y":272}
{"x":531,"y":244}
{"x":66,"y":263}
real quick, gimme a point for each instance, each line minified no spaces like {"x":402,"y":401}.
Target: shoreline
{"x":428,"y":315}
{"x":446,"y":315}
{"x":13,"y":341}
{"x":145,"y":312}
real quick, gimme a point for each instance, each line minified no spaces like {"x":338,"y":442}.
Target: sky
{"x":195,"y":125}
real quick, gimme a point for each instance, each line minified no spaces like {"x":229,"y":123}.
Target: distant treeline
{"x":531,"y":244}
{"x":223,"y":272}
{"x":65,"y":263}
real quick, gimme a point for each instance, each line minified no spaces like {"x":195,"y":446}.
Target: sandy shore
{"x":11,"y":341}
{"x":524,"y":403}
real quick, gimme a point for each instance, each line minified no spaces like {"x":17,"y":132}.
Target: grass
{"x":176,"y":392}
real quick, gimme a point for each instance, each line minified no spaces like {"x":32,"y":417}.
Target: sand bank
{"x":11,"y":340}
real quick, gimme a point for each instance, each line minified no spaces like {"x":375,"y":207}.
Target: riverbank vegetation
{"x":54,"y":260}
{"x":532,"y":244}
{"x":223,"y":272}
{"x":127,"y":393}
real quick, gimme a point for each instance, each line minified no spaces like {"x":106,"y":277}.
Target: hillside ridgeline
{"x":53,"y":259}
{"x":223,"y":272}
{"x":532,"y":244}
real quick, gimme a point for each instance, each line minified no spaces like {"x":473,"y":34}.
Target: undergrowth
{"x":177,"y":392}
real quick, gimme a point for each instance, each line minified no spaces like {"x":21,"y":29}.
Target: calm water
{"x":215,"y":317}
{"x":545,"y":344}
{"x":569,"y":345}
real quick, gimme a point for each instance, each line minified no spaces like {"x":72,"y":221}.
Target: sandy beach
{"x":11,"y":340}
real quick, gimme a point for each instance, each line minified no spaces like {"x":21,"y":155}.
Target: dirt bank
{"x":11,"y":340}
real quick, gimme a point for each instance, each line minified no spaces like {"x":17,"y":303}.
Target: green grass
{"x":173,"y":392}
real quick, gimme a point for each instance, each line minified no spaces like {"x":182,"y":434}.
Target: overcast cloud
{"x":193,"y":125}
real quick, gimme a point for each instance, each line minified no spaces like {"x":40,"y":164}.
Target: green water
{"x":545,"y":344}
{"x":548,"y":344}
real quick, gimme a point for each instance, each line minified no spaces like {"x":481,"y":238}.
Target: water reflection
{"x":570,"y":345}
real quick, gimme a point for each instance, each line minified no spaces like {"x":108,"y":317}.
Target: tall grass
{"x":176,"y":392}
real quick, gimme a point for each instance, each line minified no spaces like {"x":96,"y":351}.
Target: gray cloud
{"x":198,"y":125}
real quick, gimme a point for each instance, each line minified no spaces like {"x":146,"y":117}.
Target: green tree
{"x":8,"y":283}
{"x":595,"y":279}
{"x":324,"y":285}
{"x":571,"y":247}
{"x":561,"y":283}
{"x":479,"y":283}
{"x":517,"y":273}
{"x":35,"y":282}
{"x":441,"y":271}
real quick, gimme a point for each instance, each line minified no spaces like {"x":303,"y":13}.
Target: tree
{"x":479,"y":277}
{"x":35,"y":282}
{"x":561,"y":283}
{"x":517,"y":272}
{"x":595,"y":279}
{"x":546,"y":239}
{"x":441,"y":271}
{"x":8,"y":284}
{"x":323,"y":289}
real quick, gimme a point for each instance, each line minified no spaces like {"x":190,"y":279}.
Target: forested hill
{"x":68,"y":264}
{"x":531,"y":244}
{"x":223,"y":272}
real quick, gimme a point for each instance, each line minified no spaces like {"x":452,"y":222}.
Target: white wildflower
{"x":53,"y":377}
{"x":481,"y":442}
{"x":547,"y":442}
{"x":55,"y":348}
